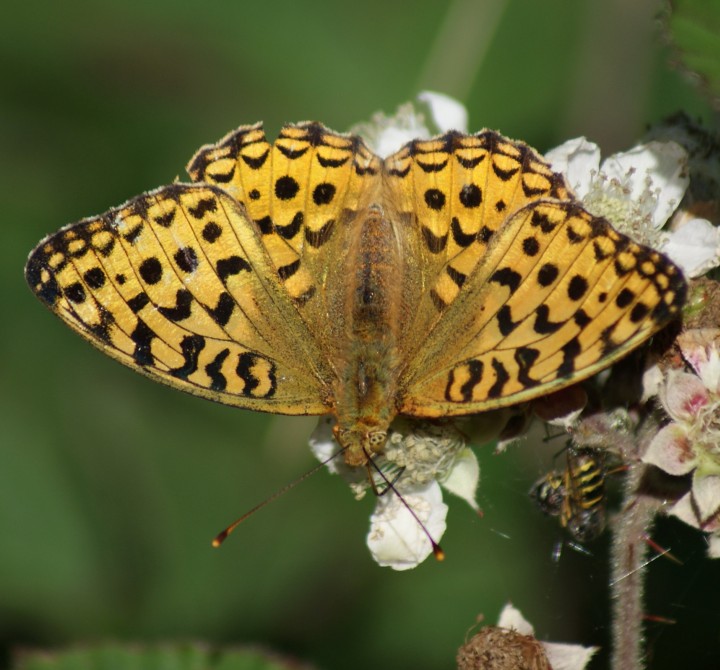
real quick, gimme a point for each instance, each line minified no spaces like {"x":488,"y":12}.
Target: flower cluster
{"x":512,"y":644}
{"x":419,"y":457}
{"x":690,"y":443}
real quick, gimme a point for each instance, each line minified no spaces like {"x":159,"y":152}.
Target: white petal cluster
{"x":419,"y":457}
{"x":638,"y":191}
{"x":386,"y":134}
{"x":562,"y":656}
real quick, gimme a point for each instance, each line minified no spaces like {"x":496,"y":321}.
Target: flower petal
{"x":512,"y":618}
{"x":396,"y":539}
{"x":578,"y":160}
{"x":446,"y":112}
{"x":714,"y":546}
{"x":683,"y":510}
{"x":652,"y":380}
{"x":663,"y":164}
{"x":568,"y":656}
{"x":463,"y":479}
{"x":683,"y":396}
{"x":694,"y":246}
{"x":706,"y":499}
{"x":561,"y":656}
{"x":700,"y":508}
{"x":700,"y":347}
{"x":671,"y":451}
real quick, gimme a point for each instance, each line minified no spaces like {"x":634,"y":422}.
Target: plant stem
{"x":629,"y":563}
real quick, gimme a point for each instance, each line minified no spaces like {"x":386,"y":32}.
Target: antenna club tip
{"x":217,"y":541}
{"x":439,"y":553}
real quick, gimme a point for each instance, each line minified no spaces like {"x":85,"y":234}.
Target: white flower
{"x":419,"y":457}
{"x":396,"y":538}
{"x":695,"y":246}
{"x":446,"y":113}
{"x":561,"y":656}
{"x":386,"y":134}
{"x":637,"y":190}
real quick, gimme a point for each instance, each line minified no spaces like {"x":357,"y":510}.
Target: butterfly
{"x":309,"y":276}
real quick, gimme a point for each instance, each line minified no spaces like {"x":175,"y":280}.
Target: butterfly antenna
{"x":222,"y":535}
{"x":436,"y":548}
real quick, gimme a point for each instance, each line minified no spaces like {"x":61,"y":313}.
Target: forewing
{"x":452,"y":194}
{"x":558,"y":296}
{"x":303,"y":191}
{"x":176,"y":284}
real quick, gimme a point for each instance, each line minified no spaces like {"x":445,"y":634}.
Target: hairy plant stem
{"x":629,"y":561}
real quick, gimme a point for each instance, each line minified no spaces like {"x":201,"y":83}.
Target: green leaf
{"x":694,"y":27}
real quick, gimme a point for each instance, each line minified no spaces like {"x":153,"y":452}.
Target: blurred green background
{"x":111,"y":487}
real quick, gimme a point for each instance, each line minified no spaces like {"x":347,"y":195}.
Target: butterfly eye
{"x":377,"y":438}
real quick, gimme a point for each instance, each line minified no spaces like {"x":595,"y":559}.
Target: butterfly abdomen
{"x":372,"y":303}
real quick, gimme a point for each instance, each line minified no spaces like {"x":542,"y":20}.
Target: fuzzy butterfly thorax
{"x":308,"y":276}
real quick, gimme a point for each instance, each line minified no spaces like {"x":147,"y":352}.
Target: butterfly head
{"x":359,"y":443}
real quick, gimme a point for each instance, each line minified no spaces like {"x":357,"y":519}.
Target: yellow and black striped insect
{"x":576,"y":494}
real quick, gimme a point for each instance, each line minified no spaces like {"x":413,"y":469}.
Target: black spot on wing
{"x":457,"y":277}
{"x":506,"y":325}
{"x":434,"y":199}
{"x":577,"y":287}
{"x":286,"y":188}
{"x":143,"y":336}
{"x":226,"y":267}
{"x":471,"y":196}
{"x":501,"y":378}
{"x":292,"y":154}
{"x":434,"y":243}
{"x":323,"y":193}
{"x":316,"y":238}
{"x":525,"y":357}
{"x":138,"y":302}
{"x":202,"y":207}
{"x":131,"y":235}
{"x":94,"y":278}
{"x":166,"y":220}
{"x":287,"y":271}
{"x":542,"y":325}
{"x":190,"y":346}
{"x":540,"y":220}
{"x":291,"y":229}
{"x":75,"y":293}
{"x":213,"y":370}
{"x":431,"y":167}
{"x":255,"y":162}
{"x":570,"y":350}
{"x":182,"y":308}
{"x":211,"y":231}
{"x":547,"y":274}
{"x":460,"y":237}
{"x":151,"y":270}
{"x":222,"y":312}
{"x":186,"y":259}
{"x":507,"y":277}
{"x":244,"y":370}
{"x":531,"y":246}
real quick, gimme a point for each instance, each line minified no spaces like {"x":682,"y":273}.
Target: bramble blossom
{"x":638,"y":191}
{"x":690,"y":443}
{"x":513,"y":644}
{"x":419,"y":458}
